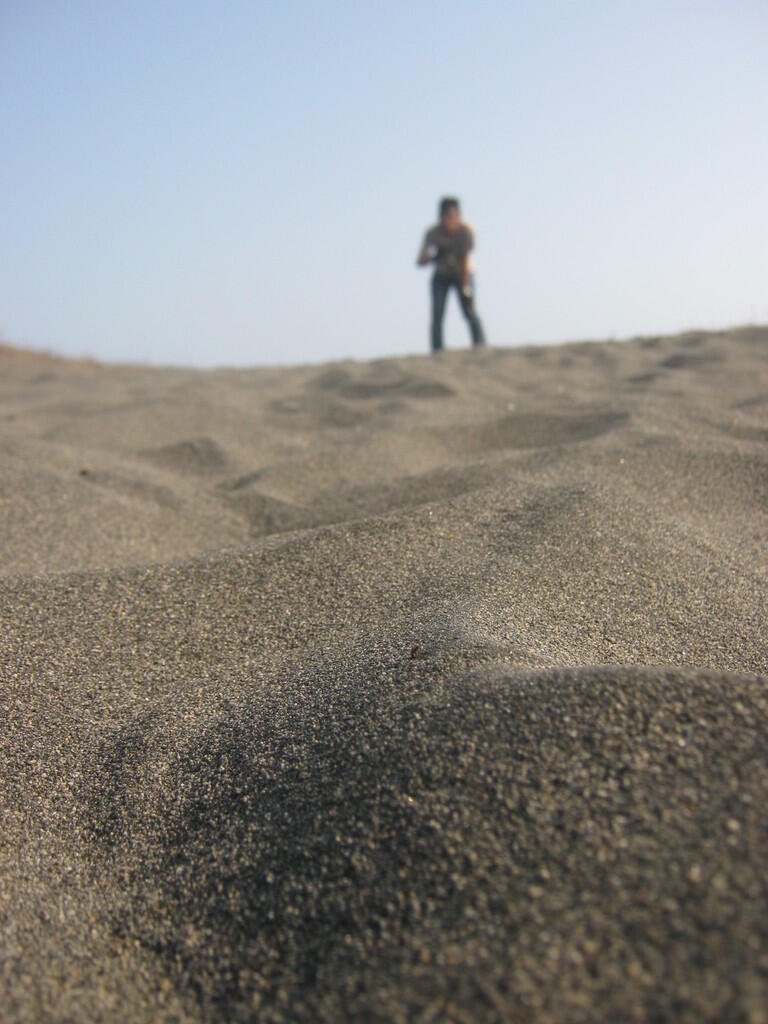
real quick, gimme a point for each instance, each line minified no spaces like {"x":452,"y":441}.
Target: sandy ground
{"x":415,"y":690}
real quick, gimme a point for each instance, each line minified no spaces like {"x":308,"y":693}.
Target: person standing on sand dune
{"x":448,"y":245}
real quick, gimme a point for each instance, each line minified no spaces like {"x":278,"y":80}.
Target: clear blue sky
{"x":248,"y":182}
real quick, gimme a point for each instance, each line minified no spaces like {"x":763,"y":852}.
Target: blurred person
{"x":449,"y":245}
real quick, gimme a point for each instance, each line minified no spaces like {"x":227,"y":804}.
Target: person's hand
{"x":427,"y":255}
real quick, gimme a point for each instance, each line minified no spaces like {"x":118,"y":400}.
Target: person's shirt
{"x":449,"y":248}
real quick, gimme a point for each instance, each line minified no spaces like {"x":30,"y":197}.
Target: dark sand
{"x":417,"y":690}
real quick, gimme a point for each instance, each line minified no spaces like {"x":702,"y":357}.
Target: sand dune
{"x":414,"y":690}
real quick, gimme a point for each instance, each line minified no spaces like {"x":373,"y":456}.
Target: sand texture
{"x":418,"y":690}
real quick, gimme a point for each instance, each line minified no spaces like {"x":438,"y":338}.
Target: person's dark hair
{"x":449,"y":203}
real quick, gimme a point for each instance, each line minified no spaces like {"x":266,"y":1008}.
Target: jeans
{"x":441,"y":285}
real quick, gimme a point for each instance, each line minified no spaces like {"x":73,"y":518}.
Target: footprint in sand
{"x":199,"y":455}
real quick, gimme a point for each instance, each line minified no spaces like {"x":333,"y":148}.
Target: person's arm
{"x":465,"y":280}
{"x":427,"y":252}
{"x":464,"y":275}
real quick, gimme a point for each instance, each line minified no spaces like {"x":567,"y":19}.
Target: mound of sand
{"x":416,"y":690}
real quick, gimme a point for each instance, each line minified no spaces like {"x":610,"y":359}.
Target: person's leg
{"x":440,"y":286}
{"x":470,"y":313}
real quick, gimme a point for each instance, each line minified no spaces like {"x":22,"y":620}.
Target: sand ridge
{"x":421,"y":689}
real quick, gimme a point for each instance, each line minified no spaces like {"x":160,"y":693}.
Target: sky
{"x":241,"y":183}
